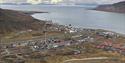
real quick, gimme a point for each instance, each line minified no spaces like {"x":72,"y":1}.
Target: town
{"x":17,"y":51}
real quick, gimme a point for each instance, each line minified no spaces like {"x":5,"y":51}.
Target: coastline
{"x":117,"y":32}
{"x":33,"y":12}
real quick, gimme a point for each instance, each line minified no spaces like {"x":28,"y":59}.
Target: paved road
{"x":94,"y":58}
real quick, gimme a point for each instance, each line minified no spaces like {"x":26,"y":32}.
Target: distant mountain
{"x":117,"y":7}
{"x":8,"y":4}
{"x":13,"y":21}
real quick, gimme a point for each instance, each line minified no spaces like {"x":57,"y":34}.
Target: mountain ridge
{"x":13,"y":21}
{"x":116,"y":7}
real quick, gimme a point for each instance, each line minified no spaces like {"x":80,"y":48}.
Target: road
{"x":94,"y":58}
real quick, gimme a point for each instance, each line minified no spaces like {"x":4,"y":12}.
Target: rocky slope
{"x":13,"y":21}
{"x":117,"y":7}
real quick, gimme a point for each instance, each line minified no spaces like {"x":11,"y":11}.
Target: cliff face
{"x":117,"y":7}
{"x":12,"y":21}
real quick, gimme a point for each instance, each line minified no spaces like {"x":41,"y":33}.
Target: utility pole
{"x":47,"y":24}
{"x":0,"y":39}
{"x":45,"y":31}
{"x":45,"y":35}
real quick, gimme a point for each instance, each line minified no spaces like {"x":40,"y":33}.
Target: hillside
{"x":116,"y":7}
{"x":13,"y":21}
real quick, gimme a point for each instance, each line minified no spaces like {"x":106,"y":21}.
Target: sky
{"x":56,"y":1}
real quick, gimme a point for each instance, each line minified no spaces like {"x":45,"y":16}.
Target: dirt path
{"x":94,"y":58}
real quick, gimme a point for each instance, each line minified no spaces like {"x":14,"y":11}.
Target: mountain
{"x":116,"y":7}
{"x":14,"y":21}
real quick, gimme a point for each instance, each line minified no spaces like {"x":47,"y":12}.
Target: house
{"x":106,"y":34}
{"x":109,"y":46}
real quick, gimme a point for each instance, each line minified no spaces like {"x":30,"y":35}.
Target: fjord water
{"x":78,"y":16}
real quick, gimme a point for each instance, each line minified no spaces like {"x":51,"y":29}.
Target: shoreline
{"x":32,"y":12}
{"x":113,"y":30}
{"x":104,"y":10}
{"x":80,"y":27}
